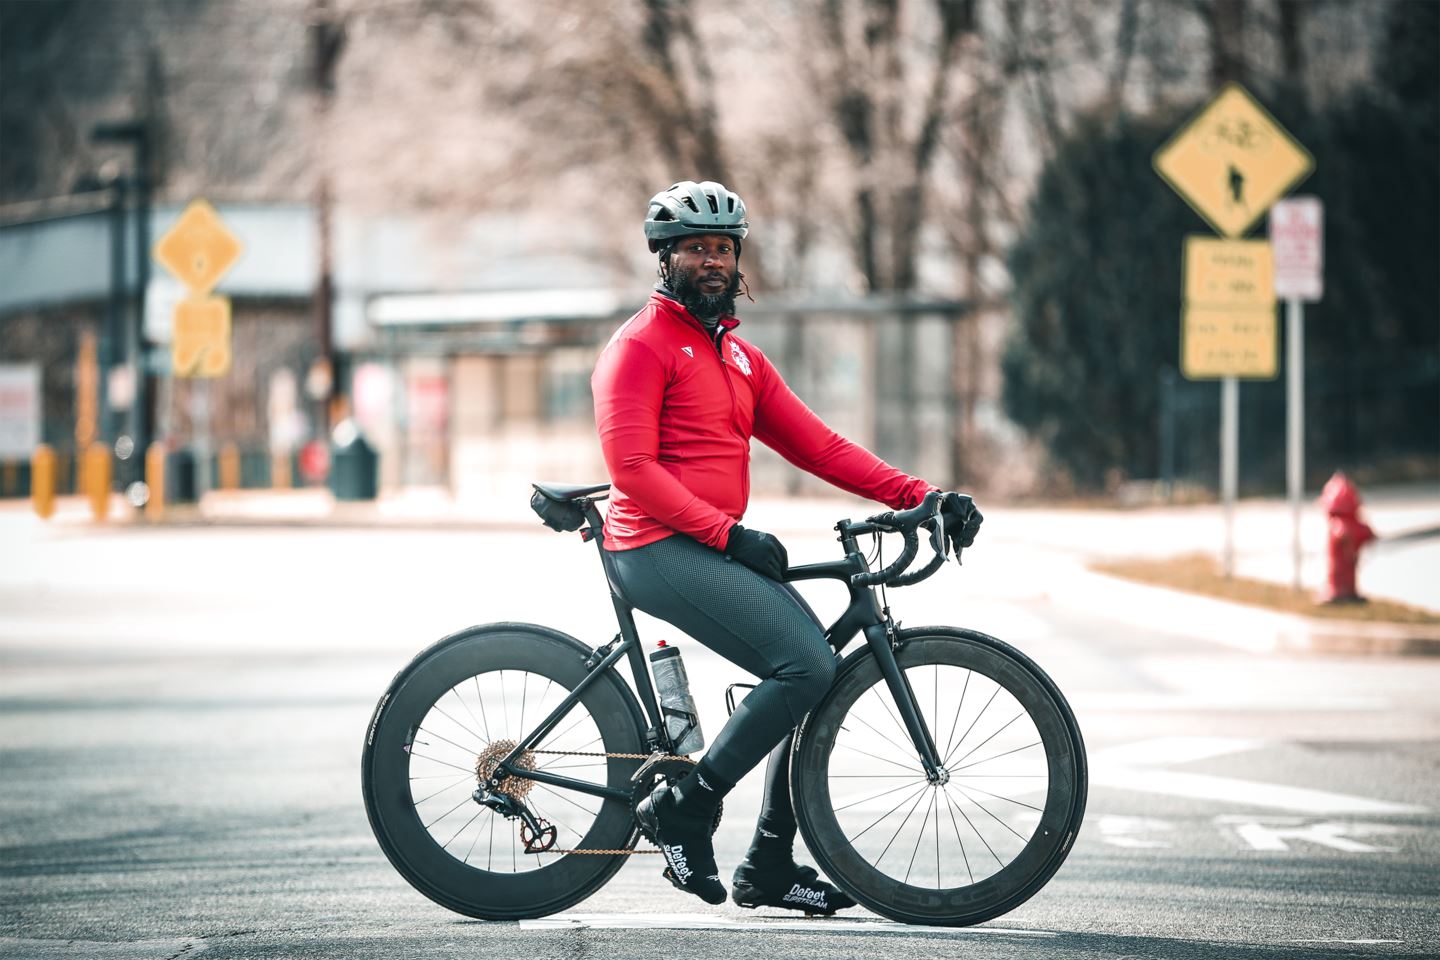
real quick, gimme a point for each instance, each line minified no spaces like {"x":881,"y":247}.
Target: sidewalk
{"x":1406,"y":569}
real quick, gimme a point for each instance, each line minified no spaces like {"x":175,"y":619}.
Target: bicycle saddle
{"x":562,"y":492}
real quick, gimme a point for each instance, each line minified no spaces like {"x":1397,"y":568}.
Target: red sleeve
{"x":784,"y":423}
{"x":629,"y":388}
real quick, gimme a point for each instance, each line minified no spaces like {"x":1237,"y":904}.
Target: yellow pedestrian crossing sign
{"x":199,"y":249}
{"x":1232,"y":161}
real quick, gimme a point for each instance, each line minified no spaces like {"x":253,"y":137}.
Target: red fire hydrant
{"x":1348,"y":533}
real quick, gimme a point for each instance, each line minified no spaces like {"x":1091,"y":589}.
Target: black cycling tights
{"x":762,"y":626}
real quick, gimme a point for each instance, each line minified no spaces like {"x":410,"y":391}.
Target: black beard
{"x":706,"y":307}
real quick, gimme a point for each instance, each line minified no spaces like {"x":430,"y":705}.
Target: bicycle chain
{"x":615,"y":756}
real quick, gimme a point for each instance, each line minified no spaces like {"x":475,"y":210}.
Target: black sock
{"x":699,"y":794}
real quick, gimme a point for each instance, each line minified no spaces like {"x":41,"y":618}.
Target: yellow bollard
{"x":229,"y":463}
{"x":280,"y":471}
{"x":42,"y":480}
{"x":155,"y":481}
{"x":97,"y":479}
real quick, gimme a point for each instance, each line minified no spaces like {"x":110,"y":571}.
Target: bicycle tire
{"x":416,"y":733}
{"x":849,"y":730}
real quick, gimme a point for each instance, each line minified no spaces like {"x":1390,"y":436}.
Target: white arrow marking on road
{"x":705,"y":921}
{"x":1132,"y":766}
{"x":1270,"y":834}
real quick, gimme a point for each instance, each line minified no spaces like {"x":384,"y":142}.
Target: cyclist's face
{"x":709,"y":259}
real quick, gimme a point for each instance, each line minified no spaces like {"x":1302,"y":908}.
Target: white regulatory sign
{"x":1297,"y":237}
{"x":19,"y":410}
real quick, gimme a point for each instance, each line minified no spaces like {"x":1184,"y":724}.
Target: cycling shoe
{"x":789,"y":886}
{"x":685,"y":841}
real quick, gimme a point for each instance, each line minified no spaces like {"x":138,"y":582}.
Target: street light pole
{"x":136,"y":135}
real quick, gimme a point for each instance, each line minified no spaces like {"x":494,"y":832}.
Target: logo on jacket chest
{"x":738,"y":355}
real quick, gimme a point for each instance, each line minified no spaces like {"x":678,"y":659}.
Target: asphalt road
{"x":182,"y":711}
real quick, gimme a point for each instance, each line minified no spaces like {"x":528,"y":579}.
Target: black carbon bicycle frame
{"x":865,"y":614}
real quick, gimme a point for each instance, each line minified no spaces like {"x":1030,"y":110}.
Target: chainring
{"x":671,"y":770}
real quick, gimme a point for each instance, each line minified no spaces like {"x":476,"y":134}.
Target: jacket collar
{"x":678,"y":310}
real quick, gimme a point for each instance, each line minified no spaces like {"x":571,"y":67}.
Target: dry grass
{"x":1199,"y":573}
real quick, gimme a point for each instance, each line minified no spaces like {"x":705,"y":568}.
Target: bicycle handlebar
{"x":906,"y":523}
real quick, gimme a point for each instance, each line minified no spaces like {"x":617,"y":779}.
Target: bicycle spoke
{"x":477,"y":839}
{"x":908,"y":814}
{"x":903,"y":748}
{"x":504,"y":705}
{"x":524,"y":695}
{"x":997,"y":757}
{"x":992,"y":816}
{"x":455,"y":691}
{"x":872,"y":756}
{"x":447,"y":843}
{"x":449,"y":741}
{"x":550,"y":742}
{"x":964,"y":689}
{"x":975,"y":830}
{"x":949,"y":805}
{"x":919,"y":836}
{"x":1018,"y":803}
{"x":442,"y":763}
{"x":875,"y":692}
{"x":877,"y":796}
{"x":853,"y":776}
{"x":572,"y":803}
{"x":991,"y":737}
{"x":483,"y":741}
{"x":450,"y":786}
{"x":447,"y":813}
{"x":887,"y":813}
{"x":959,"y":743}
{"x":937,"y":843}
{"x":481,"y":699}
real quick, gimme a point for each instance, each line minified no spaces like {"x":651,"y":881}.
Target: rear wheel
{"x":462,"y":705}
{"x":1004,"y":812}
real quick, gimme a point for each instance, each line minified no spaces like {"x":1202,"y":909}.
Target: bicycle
{"x":933,"y":744}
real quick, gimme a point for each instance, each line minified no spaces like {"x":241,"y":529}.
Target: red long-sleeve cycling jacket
{"x":676,"y":410}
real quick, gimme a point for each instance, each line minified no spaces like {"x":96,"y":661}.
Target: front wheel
{"x":1002,"y":815}
{"x":463,"y":704}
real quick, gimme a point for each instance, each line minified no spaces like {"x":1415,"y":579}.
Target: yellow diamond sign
{"x":1233,"y":161}
{"x":199,"y":249}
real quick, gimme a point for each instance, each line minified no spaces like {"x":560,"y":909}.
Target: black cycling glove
{"x":962,"y":520}
{"x":759,"y":551}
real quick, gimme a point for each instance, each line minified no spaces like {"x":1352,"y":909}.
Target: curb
{"x":1252,"y":629}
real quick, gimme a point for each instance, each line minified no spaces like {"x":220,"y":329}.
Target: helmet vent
{"x":689,"y":202}
{"x":714,"y":206}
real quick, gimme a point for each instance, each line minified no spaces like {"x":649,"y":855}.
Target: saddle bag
{"x":565,"y":516}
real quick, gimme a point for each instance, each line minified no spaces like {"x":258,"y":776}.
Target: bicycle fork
{"x":879,"y":637}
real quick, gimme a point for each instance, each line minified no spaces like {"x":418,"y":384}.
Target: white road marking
{"x":1171,"y":751}
{"x":1274,"y":834}
{"x":705,"y":921}
{"x":1120,"y":831}
{"x":1332,"y":940}
{"x":1136,"y":766}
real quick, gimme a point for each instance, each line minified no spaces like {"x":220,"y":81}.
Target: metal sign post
{"x":1229,"y":464}
{"x":1296,"y":235}
{"x":1295,"y":422}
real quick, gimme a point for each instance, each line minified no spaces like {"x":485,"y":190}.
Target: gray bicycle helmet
{"x":689,"y":208}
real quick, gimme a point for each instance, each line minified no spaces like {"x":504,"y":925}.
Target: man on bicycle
{"x":678,"y":395}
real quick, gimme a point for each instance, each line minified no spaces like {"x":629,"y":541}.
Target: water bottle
{"x":682,"y":720}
